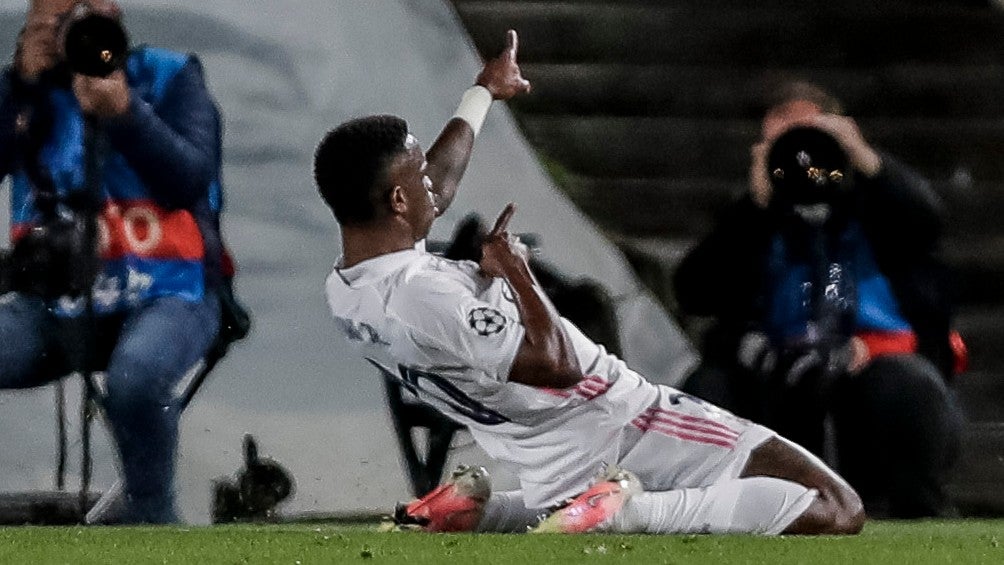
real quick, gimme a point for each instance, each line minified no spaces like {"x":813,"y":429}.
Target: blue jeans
{"x":145,"y":354}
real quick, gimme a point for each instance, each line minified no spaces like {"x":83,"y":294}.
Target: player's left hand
{"x":847,"y":133}
{"x":501,"y":75}
{"x":502,"y":251}
{"x":102,"y":97}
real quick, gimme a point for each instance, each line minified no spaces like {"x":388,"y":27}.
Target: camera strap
{"x":834,"y":300}
{"x":95,"y":150}
{"x":87,"y":201}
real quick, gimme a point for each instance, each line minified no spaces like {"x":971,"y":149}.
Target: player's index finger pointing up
{"x":511,"y":44}
{"x":503,"y":222}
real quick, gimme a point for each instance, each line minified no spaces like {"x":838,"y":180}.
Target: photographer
{"x":156,"y":307}
{"x":827,"y":299}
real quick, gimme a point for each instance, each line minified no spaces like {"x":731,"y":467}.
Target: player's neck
{"x":360,"y":243}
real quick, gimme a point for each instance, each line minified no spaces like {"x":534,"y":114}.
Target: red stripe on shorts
{"x":727,"y":436}
{"x":694,"y":419}
{"x":675,"y":431}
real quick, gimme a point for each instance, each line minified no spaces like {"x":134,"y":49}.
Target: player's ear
{"x":397,"y":200}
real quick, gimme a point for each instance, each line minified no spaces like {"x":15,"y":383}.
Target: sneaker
{"x":454,"y":506}
{"x":590,"y":509}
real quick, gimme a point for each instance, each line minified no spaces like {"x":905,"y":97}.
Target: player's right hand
{"x":501,"y":251}
{"x":38,"y":47}
{"x":501,"y":75}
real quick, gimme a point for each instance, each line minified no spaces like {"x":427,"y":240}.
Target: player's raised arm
{"x":546,"y":357}
{"x":500,"y":79}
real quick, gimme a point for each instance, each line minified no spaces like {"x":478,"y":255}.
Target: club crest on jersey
{"x":486,"y":321}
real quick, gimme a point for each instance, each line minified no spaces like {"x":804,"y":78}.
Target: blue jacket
{"x":159,"y":229}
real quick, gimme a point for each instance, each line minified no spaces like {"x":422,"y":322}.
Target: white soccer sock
{"x":754,"y":505}
{"x":505,"y":512}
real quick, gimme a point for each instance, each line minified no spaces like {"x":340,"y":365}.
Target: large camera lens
{"x":807,"y":166}
{"x":95,"y":45}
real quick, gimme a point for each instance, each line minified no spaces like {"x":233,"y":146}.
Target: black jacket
{"x":725,"y":275}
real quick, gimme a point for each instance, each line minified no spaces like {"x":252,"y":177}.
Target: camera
{"x":807,"y":168}
{"x":94,"y":44}
{"x":52,"y":260}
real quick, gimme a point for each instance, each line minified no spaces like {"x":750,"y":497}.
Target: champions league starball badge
{"x":486,"y":321}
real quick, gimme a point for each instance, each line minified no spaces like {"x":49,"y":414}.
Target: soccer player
{"x":483,"y":344}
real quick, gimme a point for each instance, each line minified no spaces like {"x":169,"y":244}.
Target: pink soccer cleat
{"x":454,"y":506}
{"x":592,"y":508}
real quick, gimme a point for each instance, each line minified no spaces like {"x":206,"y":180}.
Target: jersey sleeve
{"x":449,"y":326}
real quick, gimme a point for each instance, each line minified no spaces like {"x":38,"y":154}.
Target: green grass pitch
{"x":881,"y":542}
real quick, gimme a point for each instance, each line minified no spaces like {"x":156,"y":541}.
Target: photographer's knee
{"x":136,"y":381}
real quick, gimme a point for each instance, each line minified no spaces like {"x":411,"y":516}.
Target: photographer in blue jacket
{"x":158,"y":256}
{"x":828,"y":300}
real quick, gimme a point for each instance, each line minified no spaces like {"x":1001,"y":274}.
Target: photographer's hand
{"x":760,"y":187}
{"x":859,"y":355}
{"x":845,"y":130}
{"x":102,"y":97}
{"x":37,"y":46}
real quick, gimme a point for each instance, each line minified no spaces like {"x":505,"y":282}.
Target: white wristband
{"x":474,"y":107}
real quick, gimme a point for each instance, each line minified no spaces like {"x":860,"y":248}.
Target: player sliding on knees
{"x":484,"y":345}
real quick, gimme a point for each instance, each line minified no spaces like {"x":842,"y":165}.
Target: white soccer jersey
{"x":450,"y":335}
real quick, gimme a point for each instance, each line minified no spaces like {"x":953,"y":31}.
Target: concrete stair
{"x":976,"y":489}
{"x":785,"y":34}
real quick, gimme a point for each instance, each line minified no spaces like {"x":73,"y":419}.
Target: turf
{"x":881,"y":542}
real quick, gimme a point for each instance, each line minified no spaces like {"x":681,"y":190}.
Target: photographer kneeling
{"x":115,"y":188}
{"x":827,"y":299}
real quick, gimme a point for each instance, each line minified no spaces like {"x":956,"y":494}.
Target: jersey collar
{"x":374,"y":269}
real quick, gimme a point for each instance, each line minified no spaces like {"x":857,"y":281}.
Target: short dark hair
{"x":350,"y":166}
{"x":780,"y":92}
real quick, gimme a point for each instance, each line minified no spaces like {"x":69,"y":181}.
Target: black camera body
{"x":808,"y":169}
{"x":52,"y":260}
{"x":94,"y":44}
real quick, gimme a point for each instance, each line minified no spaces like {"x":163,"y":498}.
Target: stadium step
{"x":820,"y":35}
{"x":976,"y":483}
{"x":978,"y":272}
{"x":979,"y":393}
{"x":687,"y":207}
{"x":645,"y":146}
{"x":904,"y":90}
